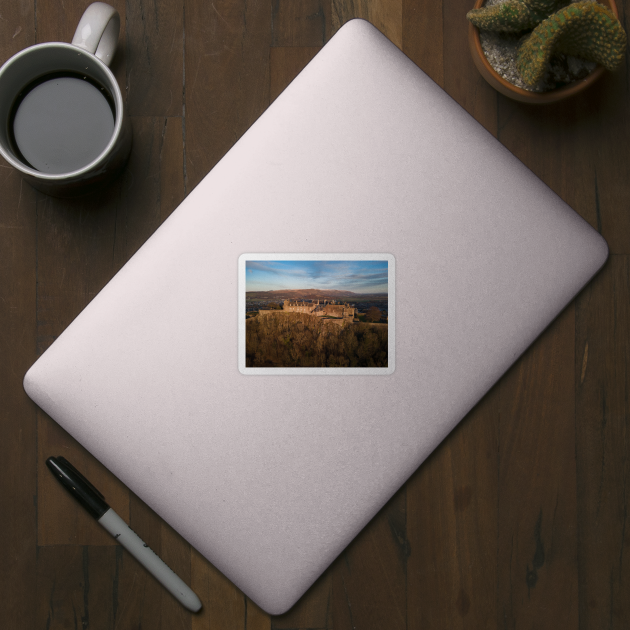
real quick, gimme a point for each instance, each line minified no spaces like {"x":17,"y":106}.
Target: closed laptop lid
{"x":271,"y":471}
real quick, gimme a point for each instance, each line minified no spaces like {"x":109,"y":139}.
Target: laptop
{"x":316,"y":316}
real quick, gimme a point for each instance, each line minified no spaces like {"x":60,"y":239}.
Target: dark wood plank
{"x":422,"y":36}
{"x":154,"y":57}
{"x":369,"y":577}
{"x":386,"y":15}
{"x":461,"y":78}
{"x":608,"y":126}
{"x":17,"y":28}
{"x":558,"y":147}
{"x":18,"y":415}
{"x":452,"y":527}
{"x":561,"y":148}
{"x":603,"y":443}
{"x":537,"y":537}
{"x":226,"y":78}
{"x":76,"y":587}
{"x":18,"y":423}
{"x":570,"y":146}
{"x":74,"y":248}
{"x":300,"y":22}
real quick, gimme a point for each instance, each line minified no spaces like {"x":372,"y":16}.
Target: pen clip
{"x":62,"y":460}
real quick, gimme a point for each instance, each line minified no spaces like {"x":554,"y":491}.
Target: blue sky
{"x":360,"y":276}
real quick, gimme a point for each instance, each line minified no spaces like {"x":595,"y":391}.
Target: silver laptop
{"x":317,"y":315}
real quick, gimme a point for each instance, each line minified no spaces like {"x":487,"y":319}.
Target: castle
{"x":327,"y":309}
{"x":338,"y":313}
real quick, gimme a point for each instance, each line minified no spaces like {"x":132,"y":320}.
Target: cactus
{"x":584,"y":29}
{"x":513,"y":16}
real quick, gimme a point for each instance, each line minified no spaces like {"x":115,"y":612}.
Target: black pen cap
{"x":78,"y":486}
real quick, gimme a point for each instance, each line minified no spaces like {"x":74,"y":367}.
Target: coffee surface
{"x":62,"y":124}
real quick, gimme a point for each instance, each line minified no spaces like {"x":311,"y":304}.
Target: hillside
{"x":302,"y":340}
{"x":312,"y":294}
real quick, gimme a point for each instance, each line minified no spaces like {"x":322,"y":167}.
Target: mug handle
{"x":98,"y":30}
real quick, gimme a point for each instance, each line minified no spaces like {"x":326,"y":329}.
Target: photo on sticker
{"x":316,"y":313}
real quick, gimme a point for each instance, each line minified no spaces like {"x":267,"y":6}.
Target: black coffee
{"x":61,"y":123}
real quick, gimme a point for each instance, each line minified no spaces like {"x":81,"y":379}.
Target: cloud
{"x":351,"y":275}
{"x":283,"y":268}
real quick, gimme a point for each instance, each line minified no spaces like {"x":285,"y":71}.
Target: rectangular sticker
{"x":318,"y":314}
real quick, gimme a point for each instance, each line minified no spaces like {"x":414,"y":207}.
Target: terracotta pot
{"x":518,"y":94}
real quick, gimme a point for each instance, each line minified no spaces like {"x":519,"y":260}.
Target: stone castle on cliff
{"x":338,"y":313}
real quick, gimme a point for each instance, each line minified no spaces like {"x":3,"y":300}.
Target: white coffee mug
{"x":105,"y":142}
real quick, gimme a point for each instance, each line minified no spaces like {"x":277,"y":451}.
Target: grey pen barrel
{"x":149,"y":559}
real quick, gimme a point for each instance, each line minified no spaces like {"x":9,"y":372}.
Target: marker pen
{"x":94,"y":502}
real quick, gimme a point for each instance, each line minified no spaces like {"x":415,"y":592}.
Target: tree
{"x":373,"y":314}
{"x":303,"y":340}
{"x":274,"y":306}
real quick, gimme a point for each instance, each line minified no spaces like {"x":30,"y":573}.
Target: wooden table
{"x":518,"y":520}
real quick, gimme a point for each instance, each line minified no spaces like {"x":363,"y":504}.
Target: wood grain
{"x":452,"y":515}
{"x":369,"y":577}
{"x":609,"y":134}
{"x":18,"y":416}
{"x":154,"y":57}
{"x":76,"y":587}
{"x":17,"y":28}
{"x":300,"y":22}
{"x":461,"y":79}
{"x":422,"y":36}
{"x":537,"y":510}
{"x":559,"y":148}
{"x":602,"y":380}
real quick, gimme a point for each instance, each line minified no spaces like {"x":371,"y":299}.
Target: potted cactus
{"x":558,"y":49}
